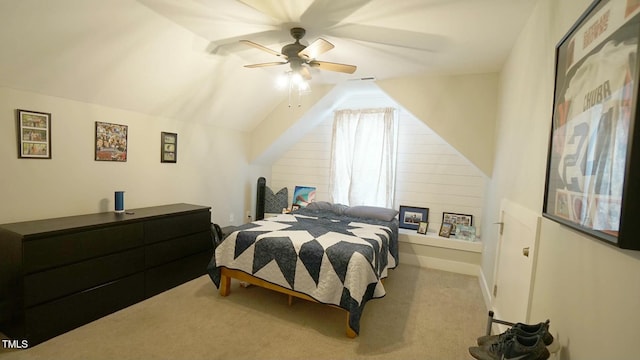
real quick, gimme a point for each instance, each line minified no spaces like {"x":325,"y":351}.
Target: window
{"x":363,"y":157}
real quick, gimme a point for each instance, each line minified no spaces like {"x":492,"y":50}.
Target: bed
{"x":328,"y":253}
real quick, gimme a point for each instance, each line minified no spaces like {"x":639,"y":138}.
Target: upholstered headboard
{"x":268,"y":202}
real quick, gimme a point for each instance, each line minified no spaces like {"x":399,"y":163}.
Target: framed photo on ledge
{"x":410,"y":216}
{"x":593,"y":165}
{"x":34,"y":135}
{"x":456,"y":219}
{"x":445,"y":230}
{"x":168,"y":147}
{"x":422,"y":227}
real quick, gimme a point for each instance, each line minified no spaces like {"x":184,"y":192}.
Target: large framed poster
{"x":592,"y":170}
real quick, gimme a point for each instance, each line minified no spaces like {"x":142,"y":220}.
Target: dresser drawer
{"x":61,"y":281}
{"x":56,"y":317}
{"x":166,"y":251}
{"x":40,"y":254}
{"x":176,"y":226}
{"x":167,"y":276}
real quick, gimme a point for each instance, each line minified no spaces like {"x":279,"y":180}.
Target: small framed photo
{"x":422,"y":227}
{"x":295,"y":207}
{"x":410,"y":216}
{"x":34,"y":135}
{"x":168,"y":147}
{"x":111,"y":142}
{"x":464,"y":232}
{"x":445,"y":230}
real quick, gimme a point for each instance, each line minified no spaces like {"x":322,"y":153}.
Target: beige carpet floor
{"x":426,"y":314}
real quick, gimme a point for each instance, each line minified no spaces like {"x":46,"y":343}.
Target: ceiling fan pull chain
{"x":290,"y":86}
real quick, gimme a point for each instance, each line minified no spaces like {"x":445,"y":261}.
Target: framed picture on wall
{"x":168,"y":147}
{"x":111,"y":142}
{"x":593,"y":169}
{"x":34,"y":135}
{"x":411,"y":216}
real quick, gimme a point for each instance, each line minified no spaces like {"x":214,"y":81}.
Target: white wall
{"x":460,"y":108}
{"x":212,"y":168}
{"x":430,"y":172}
{"x":588,"y":289}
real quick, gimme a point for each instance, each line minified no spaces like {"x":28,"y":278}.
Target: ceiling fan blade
{"x":263,"y":48}
{"x":327,"y":13}
{"x":324,"y":65}
{"x":387,"y":36}
{"x":304,"y":72}
{"x":320,"y":46}
{"x":266,"y":64}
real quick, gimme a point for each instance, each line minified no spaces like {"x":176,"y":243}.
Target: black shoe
{"x":524,"y":330}
{"x":514,"y":347}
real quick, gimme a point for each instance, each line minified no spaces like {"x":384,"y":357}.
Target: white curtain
{"x":363,"y":157}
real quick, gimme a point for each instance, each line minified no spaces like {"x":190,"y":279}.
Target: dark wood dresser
{"x":58,"y":274}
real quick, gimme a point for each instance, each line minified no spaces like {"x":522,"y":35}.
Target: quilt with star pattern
{"x":333,"y":258}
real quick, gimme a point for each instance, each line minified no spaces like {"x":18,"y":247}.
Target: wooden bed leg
{"x":350,"y":333}
{"x":225,"y":285}
{"x":290,"y":300}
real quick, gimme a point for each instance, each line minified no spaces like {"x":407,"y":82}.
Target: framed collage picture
{"x":593,"y":165}
{"x":111,"y":142}
{"x":34,"y":135}
{"x":456,"y":219}
{"x":168,"y":147}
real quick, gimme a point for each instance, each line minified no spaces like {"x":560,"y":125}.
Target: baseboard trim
{"x":486,"y":290}
{"x":440,"y":264}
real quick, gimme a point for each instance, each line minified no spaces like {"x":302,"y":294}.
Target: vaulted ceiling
{"x":182,"y":59}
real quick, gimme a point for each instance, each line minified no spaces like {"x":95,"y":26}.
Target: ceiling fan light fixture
{"x":304,"y":87}
{"x":293,"y":81}
{"x":282,"y":81}
{"x":295,"y":84}
{"x":297,"y":79}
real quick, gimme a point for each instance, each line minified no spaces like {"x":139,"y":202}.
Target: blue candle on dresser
{"x":119,"y":201}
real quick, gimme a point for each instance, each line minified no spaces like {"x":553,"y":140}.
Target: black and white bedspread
{"x":334,"y":259}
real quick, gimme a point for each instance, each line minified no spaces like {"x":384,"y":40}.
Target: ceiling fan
{"x":301,"y":57}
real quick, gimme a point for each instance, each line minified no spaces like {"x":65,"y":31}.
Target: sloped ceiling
{"x":181,"y":58}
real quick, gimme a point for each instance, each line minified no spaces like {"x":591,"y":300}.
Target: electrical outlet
{"x":232,"y":218}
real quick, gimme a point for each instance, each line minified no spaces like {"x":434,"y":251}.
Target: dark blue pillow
{"x":274,"y":203}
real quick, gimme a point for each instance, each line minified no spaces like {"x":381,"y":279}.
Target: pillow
{"x":371,"y":212}
{"x":324,"y":205}
{"x":339,"y":208}
{"x":319,"y":205}
{"x":274,"y":203}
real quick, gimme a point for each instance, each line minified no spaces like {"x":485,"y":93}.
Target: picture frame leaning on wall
{"x":411,"y":216}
